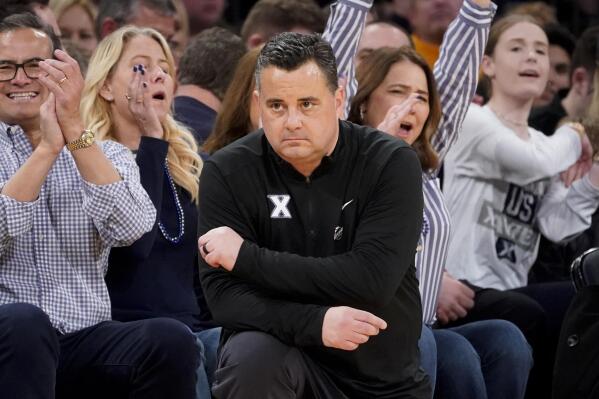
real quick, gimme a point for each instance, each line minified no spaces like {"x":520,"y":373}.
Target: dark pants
{"x":538,"y":310}
{"x":154,"y":358}
{"x":256,"y":365}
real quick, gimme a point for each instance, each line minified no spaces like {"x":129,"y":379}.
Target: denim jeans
{"x":207,"y":342}
{"x":484,"y":359}
{"x":428,"y":354}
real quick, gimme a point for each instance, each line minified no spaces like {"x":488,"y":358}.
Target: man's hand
{"x":220,"y":247}
{"x":347,"y":328}
{"x":455,"y":299}
{"x":52,"y":139}
{"x":65,"y":81}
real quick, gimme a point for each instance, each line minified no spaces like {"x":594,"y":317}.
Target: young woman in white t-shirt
{"x":503,"y":189}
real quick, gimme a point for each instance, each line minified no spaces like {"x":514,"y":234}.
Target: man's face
{"x":430,"y":18}
{"x":149,"y":18}
{"x":379,"y":35}
{"x":21,"y":97}
{"x":299,"y":114}
{"x":559,"y":75}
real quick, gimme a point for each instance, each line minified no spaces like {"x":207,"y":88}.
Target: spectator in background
{"x":269,"y":17}
{"x":128,"y":98}
{"x":76,"y":22}
{"x":561,"y":47}
{"x":180,"y":39}
{"x":575,"y":104}
{"x":38,"y":7}
{"x":502,"y":184}
{"x":379,"y":34}
{"x":239,"y":113}
{"x":204,"y":13}
{"x":156,"y":14}
{"x":65,"y":200}
{"x":205,"y":72}
{"x":429,"y":20}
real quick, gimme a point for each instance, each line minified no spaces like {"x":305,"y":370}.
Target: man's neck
{"x":32,"y":132}
{"x":573,"y":106}
{"x":202,"y":95}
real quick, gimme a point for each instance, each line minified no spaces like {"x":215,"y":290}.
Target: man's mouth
{"x":22,"y":96}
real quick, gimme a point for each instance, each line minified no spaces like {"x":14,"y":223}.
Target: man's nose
{"x":21,"y":77}
{"x":294,"y":120}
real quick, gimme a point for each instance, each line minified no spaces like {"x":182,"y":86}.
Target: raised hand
{"x":140,"y":105}
{"x":63,"y":79}
{"x":347,"y":328}
{"x":52,"y":138}
{"x":392,"y":122}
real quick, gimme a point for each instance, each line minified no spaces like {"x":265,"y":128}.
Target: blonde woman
{"x":127,"y":97}
{"x":76,"y":22}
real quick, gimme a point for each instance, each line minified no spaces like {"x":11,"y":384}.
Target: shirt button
{"x":312,"y":233}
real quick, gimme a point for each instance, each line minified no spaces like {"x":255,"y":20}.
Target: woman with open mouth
{"x":503,"y":189}
{"x":127,"y":97}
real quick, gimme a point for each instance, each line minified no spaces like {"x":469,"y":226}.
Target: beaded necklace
{"x":174,"y":240}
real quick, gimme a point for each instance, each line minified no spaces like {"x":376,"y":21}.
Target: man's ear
{"x":340,"y":101}
{"x":488,"y":66}
{"x":108,"y":26}
{"x":255,"y":40}
{"x":106,"y":91}
{"x":580,"y":81}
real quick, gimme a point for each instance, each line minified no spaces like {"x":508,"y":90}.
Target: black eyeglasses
{"x":8,"y":69}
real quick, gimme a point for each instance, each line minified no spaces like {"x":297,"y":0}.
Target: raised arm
{"x":343,"y":31}
{"x":456,"y":70}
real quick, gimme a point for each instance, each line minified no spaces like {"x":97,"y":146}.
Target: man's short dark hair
{"x":289,"y":51}
{"x":121,"y":11}
{"x":28,"y":20}
{"x":586,"y":53}
{"x":269,"y":17}
{"x":210,"y":60}
{"x":561,"y":37}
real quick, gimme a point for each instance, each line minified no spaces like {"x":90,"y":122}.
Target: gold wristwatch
{"x":86,"y":140}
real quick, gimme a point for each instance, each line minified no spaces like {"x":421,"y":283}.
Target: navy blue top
{"x":196,"y":115}
{"x":154,"y":277}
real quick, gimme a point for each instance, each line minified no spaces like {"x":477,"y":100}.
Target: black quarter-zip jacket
{"x":345,"y":236}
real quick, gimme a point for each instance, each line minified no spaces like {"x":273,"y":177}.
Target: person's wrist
{"x":72,"y":131}
{"x":48,"y":150}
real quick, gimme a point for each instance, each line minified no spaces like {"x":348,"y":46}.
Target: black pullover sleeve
{"x":238,"y":304}
{"x":383,"y":249}
{"x":150,"y":159}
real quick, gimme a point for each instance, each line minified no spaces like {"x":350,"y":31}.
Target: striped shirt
{"x":456,"y":74}
{"x":54,"y":250}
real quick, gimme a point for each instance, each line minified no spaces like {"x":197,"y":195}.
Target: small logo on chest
{"x":280,"y":202}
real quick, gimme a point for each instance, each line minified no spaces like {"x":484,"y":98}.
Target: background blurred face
{"x":430,"y":18}
{"x":147,"y":52}
{"x":559,"y":74}
{"x":299,"y":113}
{"x":22,"y":97}
{"x":520,"y":65}
{"x":403,"y":79}
{"x":379,"y":35}
{"x":76,"y":25}
{"x":147,"y":17}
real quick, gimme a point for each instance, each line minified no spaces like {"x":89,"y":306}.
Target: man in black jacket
{"x":309,"y":228}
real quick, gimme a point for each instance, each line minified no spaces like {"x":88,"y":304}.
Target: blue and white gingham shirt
{"x":54,"y":250}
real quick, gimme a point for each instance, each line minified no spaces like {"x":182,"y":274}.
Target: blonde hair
{"x":58,"y":7}
{"x":183,"y":159}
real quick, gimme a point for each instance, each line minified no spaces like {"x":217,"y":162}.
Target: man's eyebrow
{"x":309,"y":98}
{"x":24,"y":62}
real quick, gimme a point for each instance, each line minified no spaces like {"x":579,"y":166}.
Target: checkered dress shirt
{"x":54,"y":250}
